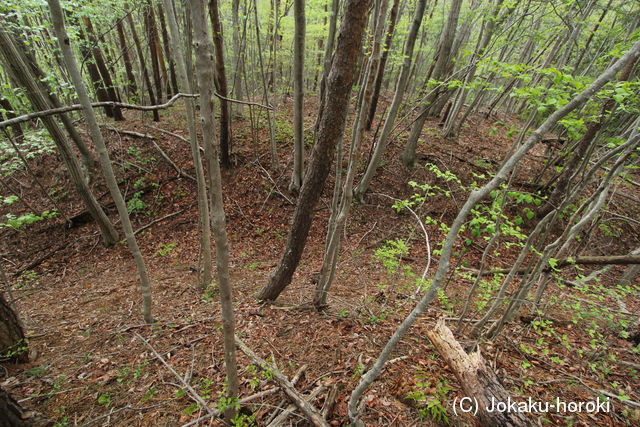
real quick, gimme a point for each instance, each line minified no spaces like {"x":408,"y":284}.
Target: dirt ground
{"x":80,"y":301}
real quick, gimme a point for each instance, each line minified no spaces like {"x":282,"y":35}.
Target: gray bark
{"x":103,"y":154}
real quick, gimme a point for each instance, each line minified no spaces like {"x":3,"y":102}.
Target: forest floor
{"x":80,"y":302}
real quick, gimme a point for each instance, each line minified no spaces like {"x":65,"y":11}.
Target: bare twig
{"x":190,"y":391}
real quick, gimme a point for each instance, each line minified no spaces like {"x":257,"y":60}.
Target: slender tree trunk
{"x":204,"y":68}
{"x":172,"y":84}
{"x":238,"y":52}
{"x":221,"y":78}
{"x":393,"y":15}
{"x":143,"y":66}
{"x":440,"y":71}
{"x":94,"y":74}
{"x":298,"y":96}
{"x":16,"y":64}
{"x":203,"y":200}
{"x":103,"y":155}
{"x":476,"y":196}
{"x":154,"y":49}
{"x":381,"y":144}
{"x":330,"y":131}
{"x":109,"y":87}
{"x":9,"y":112}
{"x":128,"y":66}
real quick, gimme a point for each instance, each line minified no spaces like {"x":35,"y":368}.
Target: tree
{"x":389,"y":122}
{"x":103,"y":154}
{"x":204,"y":71}
{"x":221,"y":84}
{"x":203,"y":199}
{"x":15,"y":62}
{"x":330,"y":130}
{"x":298,"y":96}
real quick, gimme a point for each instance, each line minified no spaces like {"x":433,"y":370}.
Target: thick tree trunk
{"x":12,"y":414}
{"x":103,"y":154}
{"x":221,"y":79}
{"x":298,"y":96}
{"x":13,"y":345}
{"x":330,"y":131}
{"x":477,"y":379}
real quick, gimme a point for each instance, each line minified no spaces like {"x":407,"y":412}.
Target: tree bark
{"x":330,"y":131}
{"x":221,"y":79}
{"x":477,"y":379}
{"x":102,"y":68}
{"x":298,"y":96}
{"x":204,"y":71}
{"x":143,"y":66}
{"x":393,"y":15}
{"x":172,"y":84}
{"x":14,"y":415}
{"x":128,"y":66}
{"x":13,"y":346}
{"x":17,"y":65}
{"x":389,"y":122}
{"x":203,"y":200}
{"x":103,"y":154}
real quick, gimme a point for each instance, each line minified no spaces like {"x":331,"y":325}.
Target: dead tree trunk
{"x":477,"y":379}
{"x":330,"y":131}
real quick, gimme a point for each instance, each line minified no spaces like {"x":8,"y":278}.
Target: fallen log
{"x":477,"y":379}
{"x":296,"y":398}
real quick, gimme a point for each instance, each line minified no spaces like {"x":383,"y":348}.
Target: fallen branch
{"x":75,"y":107}
{"x":155,"y":221}
{"x":129,"y":133}
{"x":251,"y":398}
{"x":477,"y":379}
{"x":309,"y":410}
{"x":190,"y":391}
{"x":282,"y":417}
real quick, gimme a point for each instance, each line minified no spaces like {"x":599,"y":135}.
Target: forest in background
{"x":326,"y":212}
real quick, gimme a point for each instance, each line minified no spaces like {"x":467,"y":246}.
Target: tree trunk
{"x":103,"y":154}
{"x":389,"y":122}
{"x":221,"y":79}
{"x":172,"y":84}
{"x":298,"y":96}
{"x":102,"y":68}
{"x":14,"y":415}
{"x":479,"y":382}
{"x":340,"y":214}
{"x":330,"y":131}
{"x":154,"y":49}
{"x":19,"y":69}
{"x":131,"y":80}
{"x":238,"y":55}
{"x":204,"y":71}
{"x":143,"y":66}
{"x":13,"y":345}
{"x":393,"y":15}
{"x":440,"y":71}
{"x":17,"y":129}
{"x":203,"y":200}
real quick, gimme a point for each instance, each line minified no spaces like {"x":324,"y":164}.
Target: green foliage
{"x":391,"y":253}
{"x":19,"y":222}
{"x":431,"y":399}
{"x":166,"y":248}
